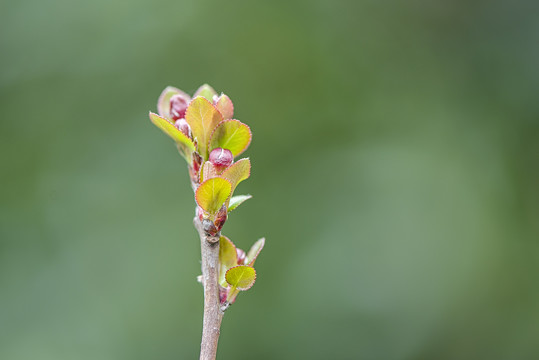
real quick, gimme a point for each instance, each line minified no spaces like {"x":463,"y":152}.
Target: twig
{"x":209,"y":246}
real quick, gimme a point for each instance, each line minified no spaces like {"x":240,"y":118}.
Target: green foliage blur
{"x":395,"y":177}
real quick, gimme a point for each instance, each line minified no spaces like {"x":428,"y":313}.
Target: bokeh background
{"x":395,"y":177}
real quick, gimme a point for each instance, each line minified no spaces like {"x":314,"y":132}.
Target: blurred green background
{"x":395,"y":177}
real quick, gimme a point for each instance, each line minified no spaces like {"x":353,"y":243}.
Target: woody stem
{"x":213,"y":313}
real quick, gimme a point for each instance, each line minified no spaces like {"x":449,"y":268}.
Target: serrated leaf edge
{"x":247,"y":197}
{"x":197,"y":92}
{"x":212,"y":179}
{"x":220,"y":96}
{"x":212,"y":130}
{"x":188,"y":142}
{"x":227,"y":120}
{"x":241,"y":289}
{"x":233,"y":245}
{"x":236,"y":185}
{"x":251,"y":263}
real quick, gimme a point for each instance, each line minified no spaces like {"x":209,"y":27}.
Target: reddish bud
{"x":197,"y":161}
{"x":178,"y":106}
{"x":223,"y":294}
{"x":240,"y":254}
{"x":220,"y":218}
{"x":184,"y":127}
{"x":194,"y":169}
{"x":221,"y":158}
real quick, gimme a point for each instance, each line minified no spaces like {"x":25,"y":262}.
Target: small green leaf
{"x":225,"y":106}
{"x":212,"y":194}
{"x":168,"y":128}
{"x":163,"y":103}
{"x":232,"y":135}
{"x":202,"y":117}
{"x":237,"y":172}
{"x":254,"y":251}
{"x":237,"y":200}
{"x":241,"y":277}
{"x":206,"y":91}
{"x":227,"y":258}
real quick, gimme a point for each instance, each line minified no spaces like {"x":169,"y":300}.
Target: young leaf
{"x":163,"y":103}
{"x":168,"y":128}
{"x":241,"y":277}
{"x":225,"y":106}
{"x":227,"y":258}
{"x":206,"y":91}
{"x":208,"y":171}
{"x":232,"y":135}
{"x":254,"y":251}
{"x":202,"y":117}
{"x":237,"y":172}
{"x":237,"y":200}
{"x":212,"y":194}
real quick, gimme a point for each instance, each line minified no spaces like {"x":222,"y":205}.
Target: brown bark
{"x":213,"y":314}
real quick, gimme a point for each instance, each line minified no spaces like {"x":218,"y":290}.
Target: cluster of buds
{"x":209,"y":139}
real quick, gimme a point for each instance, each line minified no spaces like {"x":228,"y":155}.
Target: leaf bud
{"x":223,"y":294}
{"x":221,"y":158}
{"x":184,"y":127}
{"x":220,"y":218}
{"x":197,"y":161}
{"x":178,"y":106}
